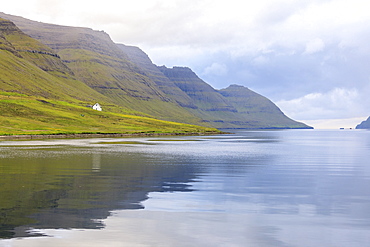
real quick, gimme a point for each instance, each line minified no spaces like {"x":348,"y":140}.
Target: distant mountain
{"x":93,"y":67}
{"x":219,"y":108}
{"x":233,"y":107}
{"x":364,"y":124}
{"x":259,"y":111}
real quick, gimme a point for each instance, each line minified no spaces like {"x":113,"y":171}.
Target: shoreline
{"x":99,"y":135}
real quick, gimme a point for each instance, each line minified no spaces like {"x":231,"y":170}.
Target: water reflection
{"x":254,"y":188}
{"x":67,"y":187}
{"x":96,"y":163}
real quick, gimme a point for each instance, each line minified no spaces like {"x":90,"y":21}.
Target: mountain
{"x":261,"y":112}
{"x":124,"y":76}
{"x":216,"y":107}
{"x":364,"y":124}
{"x":233,"y":107}
{"x":98,"y":62}
{"x":40,"y":94}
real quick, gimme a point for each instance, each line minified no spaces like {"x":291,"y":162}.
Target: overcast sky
{"x":310,"y":57}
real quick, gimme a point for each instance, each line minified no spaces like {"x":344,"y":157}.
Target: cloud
{"x":260,"y":60}
{"x":335,"y":104}
{"x":216,"y":69}
{"x":314,"y":46}
{"x":334,"y":123}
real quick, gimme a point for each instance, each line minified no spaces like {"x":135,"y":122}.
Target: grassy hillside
{"x":41,"y":95}
{"x":98,"y":62}
{"x":21,"y":114}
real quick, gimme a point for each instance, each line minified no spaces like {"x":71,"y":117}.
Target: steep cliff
{"x":172,"y":91}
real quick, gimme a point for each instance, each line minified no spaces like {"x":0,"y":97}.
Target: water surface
{"x":251,"y":188}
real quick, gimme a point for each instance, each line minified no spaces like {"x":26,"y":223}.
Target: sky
{"x":310,"y":57}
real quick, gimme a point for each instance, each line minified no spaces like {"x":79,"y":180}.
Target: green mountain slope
{"x":98,"y":62}
{"x":41,"y":95}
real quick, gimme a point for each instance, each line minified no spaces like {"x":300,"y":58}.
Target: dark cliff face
{"x":364,"y":124}
{"x":150,"y":70}
{"x":16,"y":41}
{"x":8,"y":27}
{"x":203,"y":95}
{"x":4,"y":43}
{"x":59,"y":38}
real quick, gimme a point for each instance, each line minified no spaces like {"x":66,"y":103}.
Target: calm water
{"x":252,"y":188}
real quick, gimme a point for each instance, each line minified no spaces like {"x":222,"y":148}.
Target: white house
{"x":97,"y":107}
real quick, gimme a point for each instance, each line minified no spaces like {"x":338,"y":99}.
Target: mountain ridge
{"x":217,"y":120}
{"x":125,"y":76}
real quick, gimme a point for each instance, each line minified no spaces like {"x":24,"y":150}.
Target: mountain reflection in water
{"x":67,"y":187}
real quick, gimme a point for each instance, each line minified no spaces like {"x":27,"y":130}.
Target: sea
{"x":275,"y":188}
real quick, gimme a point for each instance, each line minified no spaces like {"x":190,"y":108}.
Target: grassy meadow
{"x":27,"y":115}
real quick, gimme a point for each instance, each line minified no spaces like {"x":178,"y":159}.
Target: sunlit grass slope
{"x":21,"y":114}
